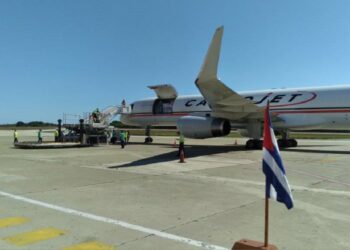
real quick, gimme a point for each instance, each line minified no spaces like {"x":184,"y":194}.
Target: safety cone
{"x":174,"y":145}
{"x":182,"y":157}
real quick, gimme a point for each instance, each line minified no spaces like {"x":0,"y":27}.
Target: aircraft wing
{"x":224,"y":101}
{"x":164,"y":91}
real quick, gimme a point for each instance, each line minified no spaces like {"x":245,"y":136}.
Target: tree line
{"x":116,"y":124}
{"x":30,"y":124}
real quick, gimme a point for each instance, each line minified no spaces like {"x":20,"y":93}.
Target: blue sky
{"x":63,"y":56}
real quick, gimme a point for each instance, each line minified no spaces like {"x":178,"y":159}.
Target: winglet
{"x":210,"y":65}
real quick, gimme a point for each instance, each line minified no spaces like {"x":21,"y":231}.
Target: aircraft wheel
{"x":258,"y":144}
{"x":148,"y":140}
{"x":282,"y":143}
{"x":254,"y":144}
{"x":250,"y":144}
{"x":292,"y":143}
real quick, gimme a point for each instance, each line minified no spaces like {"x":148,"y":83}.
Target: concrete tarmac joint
{"x":141,"y":198}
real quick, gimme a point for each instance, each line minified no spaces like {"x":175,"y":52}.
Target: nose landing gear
{"x":148,"y":138}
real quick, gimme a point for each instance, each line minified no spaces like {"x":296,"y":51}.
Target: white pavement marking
{"x":116,"y":222}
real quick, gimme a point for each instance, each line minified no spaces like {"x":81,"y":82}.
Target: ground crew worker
{"x":127,"y":136}
{"x":56,"y":135}
{"x":96,"y":115}
{"x":15,"y":136}
{"x":181,"y":144}
{"x":113,"y":137}
{"x":122,"y":138}
{"x":40,"y":137}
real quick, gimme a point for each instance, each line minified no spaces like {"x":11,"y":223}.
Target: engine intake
{"x":203,"y":127}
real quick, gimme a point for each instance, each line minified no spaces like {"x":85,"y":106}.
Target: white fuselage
{"x":323,"y":107}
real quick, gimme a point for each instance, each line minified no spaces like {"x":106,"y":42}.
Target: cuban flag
{"x":277,"y":186}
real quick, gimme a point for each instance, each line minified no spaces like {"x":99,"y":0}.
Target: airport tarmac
{"x":140,"y":197}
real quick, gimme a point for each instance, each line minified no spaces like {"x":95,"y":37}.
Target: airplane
{"x":220,"y":109}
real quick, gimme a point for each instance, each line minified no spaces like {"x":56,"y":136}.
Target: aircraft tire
{"x":258,"y":144}
{"x":282,"y":143}
{"x":254,"y":144}
{"x":148,"y":140}
{"x":249,"y":144}
{"x":292,"y":143}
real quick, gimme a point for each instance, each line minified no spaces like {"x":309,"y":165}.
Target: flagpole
{"x":266,"y":241}
{"x":266,"y":128}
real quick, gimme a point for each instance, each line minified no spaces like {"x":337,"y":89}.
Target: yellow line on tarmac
{"x":91,"y":245}
{"x":33,"y":236}
{"x":329,"y":159}
{"x":12,"y":221}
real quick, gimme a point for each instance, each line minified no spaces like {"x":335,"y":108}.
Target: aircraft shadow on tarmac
{"x":200,"y":150}
{"x":190,"y":151}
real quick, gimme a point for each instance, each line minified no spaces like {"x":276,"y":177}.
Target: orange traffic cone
{"x":182,"y":157}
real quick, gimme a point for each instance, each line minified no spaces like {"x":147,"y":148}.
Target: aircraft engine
{"x":203,"y":127}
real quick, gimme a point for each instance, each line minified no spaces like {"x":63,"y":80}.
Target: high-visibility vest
{"x":122,"y":136}
{"x":15,"y":134}
{"x":56,"y":133}
{"x":182,"y":139}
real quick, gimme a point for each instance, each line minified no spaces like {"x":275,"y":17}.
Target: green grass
{"x":233,"y":134}
{"x":154,"y":132}
{"x":321,"y":136}
{"x":25,"y":128}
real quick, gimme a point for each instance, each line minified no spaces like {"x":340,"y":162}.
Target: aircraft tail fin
{"x":210,"y":65}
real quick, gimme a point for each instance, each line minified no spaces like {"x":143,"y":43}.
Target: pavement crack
{"x":135,"y":239}
{"x":316,"y":183}
{"x":209,"y":216}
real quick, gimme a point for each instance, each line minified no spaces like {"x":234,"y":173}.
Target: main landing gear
{"x":282,"y":143}
{"x":285,"y":142}
{"x":148,"y":138}
{"x":254,"y":144}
